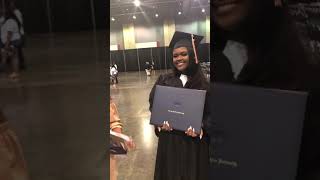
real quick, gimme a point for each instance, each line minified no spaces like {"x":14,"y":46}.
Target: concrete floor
{"x":131,"y":95}
{"x":58,"y":107}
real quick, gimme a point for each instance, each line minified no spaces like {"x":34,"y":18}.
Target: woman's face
{"x":230,"y":14}
{"x":181,"y":58}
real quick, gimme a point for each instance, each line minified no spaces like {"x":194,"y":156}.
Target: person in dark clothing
{"x":182,"y":155}
{"x":256,"y":44}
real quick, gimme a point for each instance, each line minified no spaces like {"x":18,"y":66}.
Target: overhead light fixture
{"x":203,"y":10}
{"x":113,"y":19}
{"x":136,"y":3}
{"x":157,"y":15}
{"x":134,"y":17}
{"x":179,"y":12}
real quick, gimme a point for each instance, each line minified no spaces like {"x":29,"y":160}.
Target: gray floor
{"x":131,"y":95}
{"x":58,"y":107}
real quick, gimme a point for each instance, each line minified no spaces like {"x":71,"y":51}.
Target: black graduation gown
{"x":266,"y":74}
{"x":179,"y":157}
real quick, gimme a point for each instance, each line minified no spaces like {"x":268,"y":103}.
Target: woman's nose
{"x":179,"y":58}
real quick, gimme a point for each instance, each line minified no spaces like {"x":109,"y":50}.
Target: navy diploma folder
{"x":181,"y":107}
{"x":257,"y":132}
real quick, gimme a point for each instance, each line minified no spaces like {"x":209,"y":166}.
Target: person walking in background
{"x":114,"y":74}
{"x":116,"y":66}
{"x":148,"y":68}
{"x":19,"y":16}
{"x":10,"y":42}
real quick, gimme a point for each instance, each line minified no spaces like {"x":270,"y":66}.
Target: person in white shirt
{"x":19,"y":17}
{"x":10,"y":42}
{"x":114,"y":75}
{"x":115,"y":65}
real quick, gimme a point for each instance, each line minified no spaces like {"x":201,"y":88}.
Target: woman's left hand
{"x":191,"y":132}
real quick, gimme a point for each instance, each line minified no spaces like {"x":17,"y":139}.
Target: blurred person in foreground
{"x":257,"y":44}
{"x":116,"y":126}
{"x":12,"y":163}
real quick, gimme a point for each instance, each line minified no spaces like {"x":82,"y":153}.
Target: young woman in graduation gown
{"x":256,"y":44}
{"x":181,"y":155}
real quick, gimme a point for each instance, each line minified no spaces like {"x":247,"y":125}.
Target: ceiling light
{"x":113,"y":19}
{"x":203,"y":10}
{"x":136,"y":3}
{"x":157,"y":15}
{"x":134,"y":17}
{"x":179,"y":12}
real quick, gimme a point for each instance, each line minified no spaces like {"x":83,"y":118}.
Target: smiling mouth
{"x":180,"y":63}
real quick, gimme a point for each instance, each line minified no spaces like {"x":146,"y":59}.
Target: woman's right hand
{"x":130,"y":144}
{"x":165,"y":127}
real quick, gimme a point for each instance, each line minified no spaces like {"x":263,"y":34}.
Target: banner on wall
{"x":114,"y":47}
{"x":147,"y":45}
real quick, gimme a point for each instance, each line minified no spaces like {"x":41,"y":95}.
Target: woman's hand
{"x":191,"y":132}
{"x":165,"y":127}
{"x":130,"y":144}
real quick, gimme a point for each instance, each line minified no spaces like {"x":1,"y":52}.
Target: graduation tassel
{"x":194,"y":49}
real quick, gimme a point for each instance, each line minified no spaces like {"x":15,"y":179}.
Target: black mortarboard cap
{"x":182,"y":39}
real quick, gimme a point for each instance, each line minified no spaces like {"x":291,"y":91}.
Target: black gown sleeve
{"x":159,"y":81}
{"x":310,"y":148}
{"x":151,"y":95}
{"x":220,"y":69}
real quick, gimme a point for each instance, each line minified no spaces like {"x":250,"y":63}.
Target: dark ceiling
{"x":123,"y":10}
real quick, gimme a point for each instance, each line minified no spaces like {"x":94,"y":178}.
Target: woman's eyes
{"x":182,"y":54}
